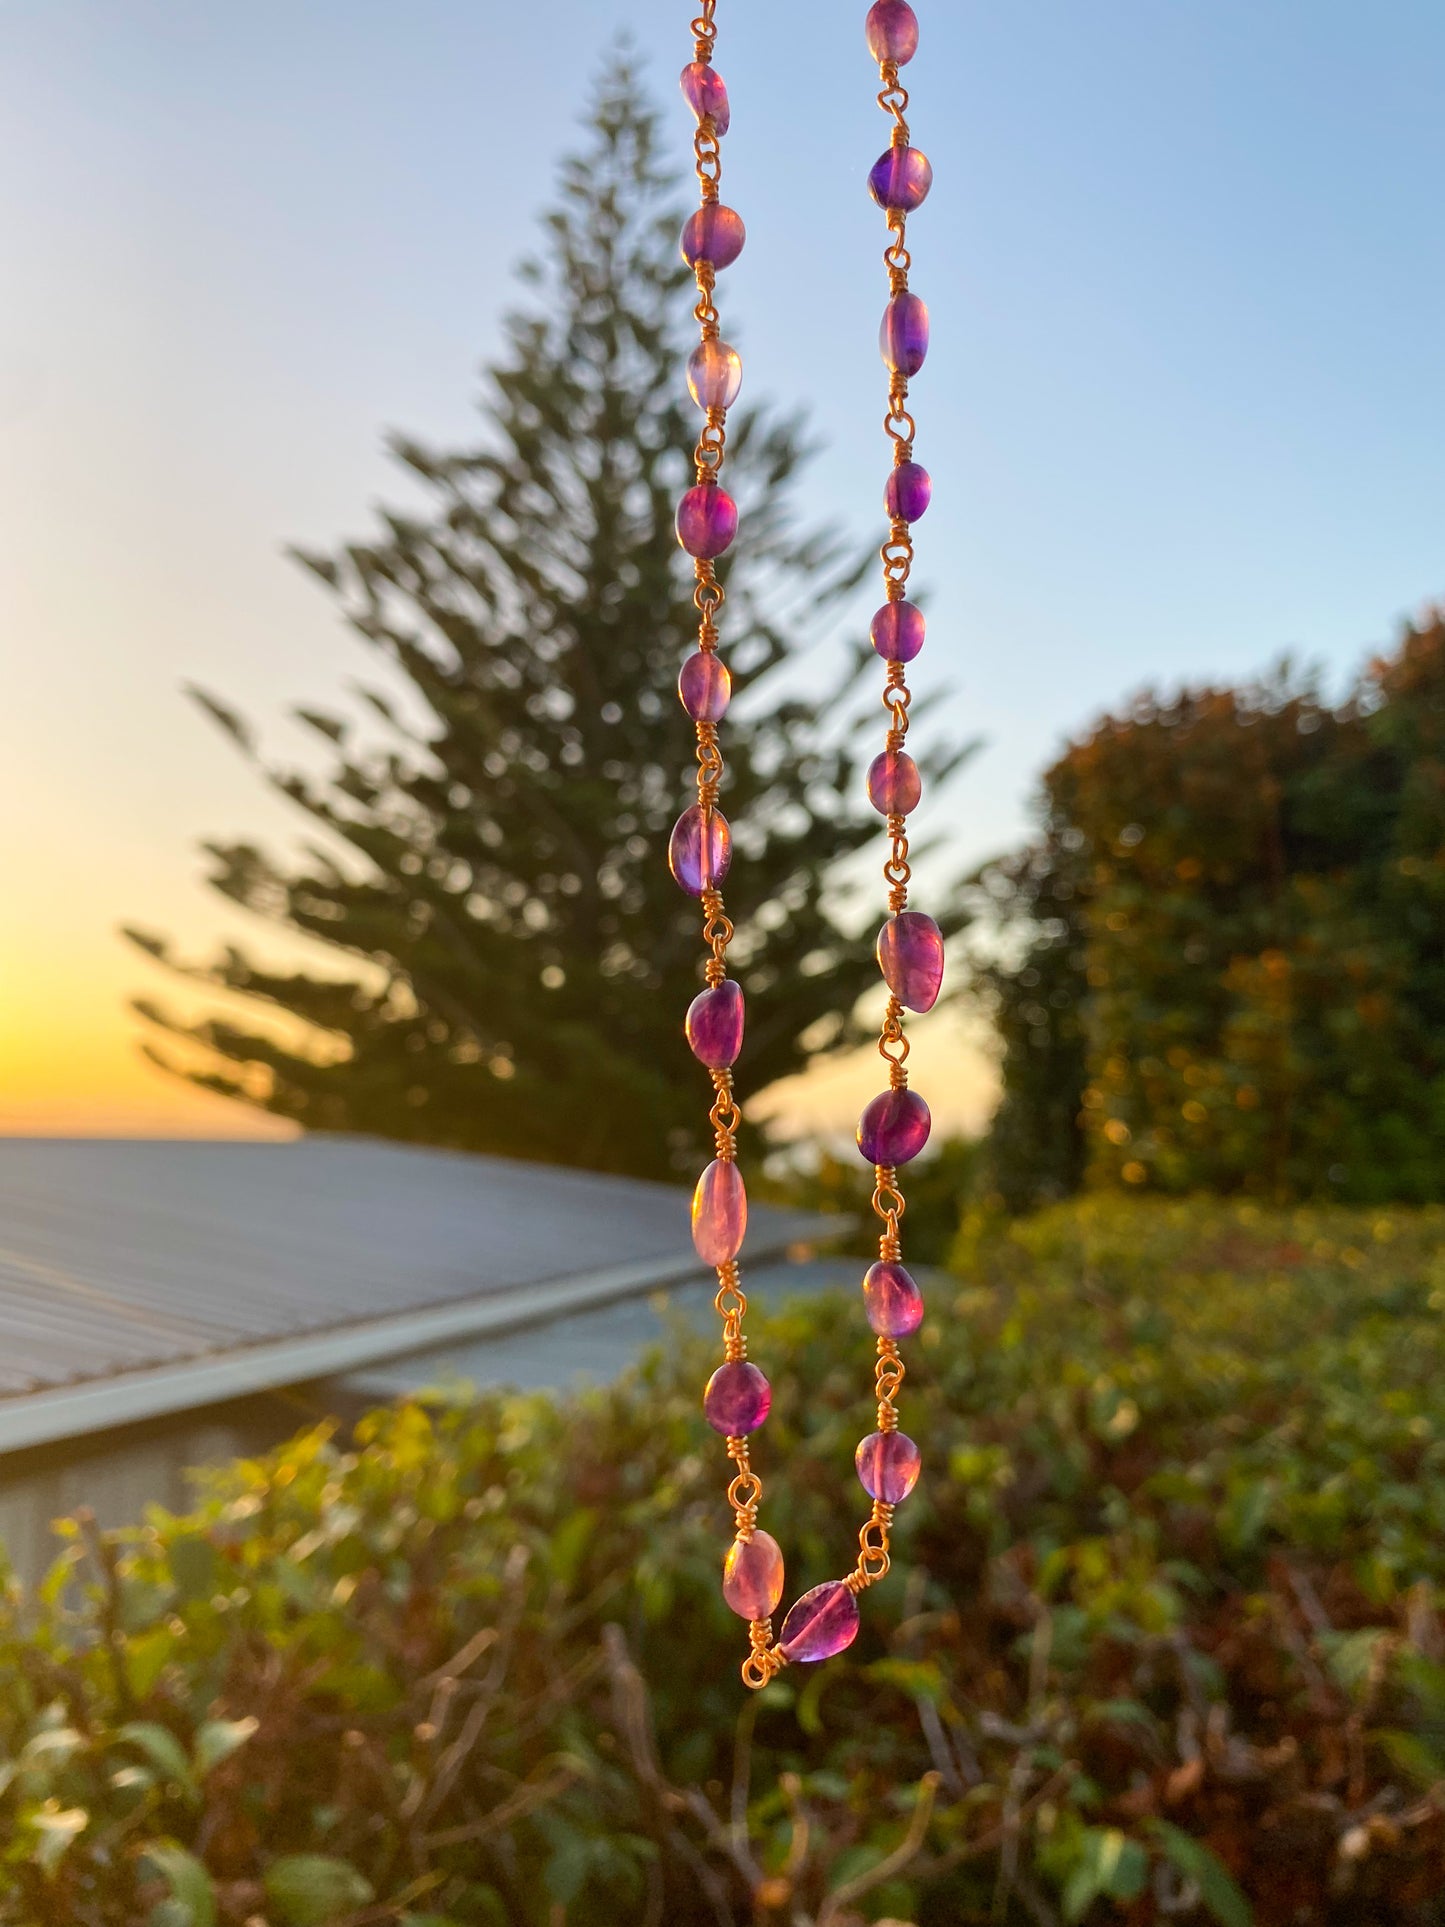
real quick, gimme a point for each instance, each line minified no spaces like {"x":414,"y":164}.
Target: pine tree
{"x":519,"y":957}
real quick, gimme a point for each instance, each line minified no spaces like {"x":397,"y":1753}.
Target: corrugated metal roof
{"x":130,"y":1258}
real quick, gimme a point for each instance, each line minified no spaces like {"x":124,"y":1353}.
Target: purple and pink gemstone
{"x":894,"y":1127}
{"x":707,"y":520}
{"x":894,"y":784}
{"x":714,"y":374}
{"x":705,"y":687}
{"x":704,"y":92}
{"x":753,"y":1576}
{"x":820,"y":1624}
{"x":892,"y":32}
{"x":903,"y":335}
{"x":700,"y":849}
{"x":910,"y":956}
{"x":897,"y":631}
{"x":899,"y":179}
{"x":714,"y":1025}
{"x":906,"y":493}
{"x":892,"y":1301}
{"x":737,"y":1400}
{"x":888,"y":1466}
{"x":719,"y":1213}
{"x":714,"y":234}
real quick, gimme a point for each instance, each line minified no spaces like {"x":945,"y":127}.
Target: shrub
{"x":1161,"y":1641}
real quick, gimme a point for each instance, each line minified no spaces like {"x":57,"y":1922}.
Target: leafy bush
{"x":1161,"y":1642}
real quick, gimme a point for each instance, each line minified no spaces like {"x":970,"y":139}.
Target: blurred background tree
{"x":1222,"y":965}
{"x":495,"y":873}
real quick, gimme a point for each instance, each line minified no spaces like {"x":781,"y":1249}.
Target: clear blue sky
{"x":1184,"y":406}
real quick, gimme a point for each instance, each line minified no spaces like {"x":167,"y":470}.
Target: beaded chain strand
{"x":894,"y":1128}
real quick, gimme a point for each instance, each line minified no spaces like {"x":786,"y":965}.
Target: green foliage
{"x":491,"y":882}
{"x":1223,"y":971}
{"x":1162,"y":1641}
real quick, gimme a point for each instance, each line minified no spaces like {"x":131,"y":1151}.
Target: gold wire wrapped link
{"x":746,"y":1489}
{"x":897,"y":557}
{"x":709,"y":765}
{"x":873,"y":1549}
{"x":725,"y":1117}
{"x":705,"y":313}
{"x":764,"y":1662}
{"x":889,"y":1204}
{"x":707,"y":158}
{"x":711,"y":444}
{"x":704,"y":31}
{"x":893,"y":1046}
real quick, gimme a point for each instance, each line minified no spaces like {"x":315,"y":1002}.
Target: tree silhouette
{"x":495,"y":874}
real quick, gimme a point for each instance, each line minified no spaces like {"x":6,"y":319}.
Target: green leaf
{"x":194,"y":1566}
{"x":311,"y":1889}
{"x":193,"y":1899}
{"x":58,"y":1829}
{"x":217,"y":1740}
{"x":146,"y":1657}
{"x":1195,"y":1861}
{"x":162,"y":1749}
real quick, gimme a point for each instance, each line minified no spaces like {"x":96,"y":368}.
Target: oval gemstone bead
{"x":910,"y":956}
{"x":903,"y":334}
{"x":823,"y":1622}
{"x":737,"y":1400}
{"x":753,"y":1576}
{"x":892,"y":1300}
{"x":715,"y":1025}
{"x":707,"y":520}
{"x":897,"y":631}
{"x":699,"y":851}
{"x":704,"y":686}
{"x":906,"y":494}
{"x":899,"y":178}
{"x":894,"y":784}
{"x":705,"y":94}
{"x":894,"y":1128}
{"x":714,"y":234}
{"x":714,"y":374}
{"x":892,"y":31}
{"x":888,"y":1465}
{"x":719,"y":1214}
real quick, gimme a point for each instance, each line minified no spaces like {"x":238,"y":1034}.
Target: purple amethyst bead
{"x":753,"y":1576}
{"x":910,"y":956}
{"x":699,"y":851}
{"x":897,"y":631}
{"x":714,"y":374}
{"x":737,"y":1400}
{"x":892,"y":31}
{"x":888,"y":1465}
{"x":906,"y":494}
{"x":715,"y":234}
{"x":823,"y":1622}
{"x":899,"y":178}
{"x":719,"y":1213}
{"x":705,"y":687}
{"x":903,"y":334}
{"x":892,"y":1300}
{"x":715,"y":1025}
{"x":704,"y":92}
{"x":894,"y":1128}
{"x":894,"y":784}
{"x":707,"y":520}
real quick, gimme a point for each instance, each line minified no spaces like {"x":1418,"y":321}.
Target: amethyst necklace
{"x":895,"y":1125}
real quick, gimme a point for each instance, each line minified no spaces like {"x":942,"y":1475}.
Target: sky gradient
{"x":1184,"y":404}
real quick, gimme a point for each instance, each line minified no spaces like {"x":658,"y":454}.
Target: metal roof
{"x":146,"y":1276}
